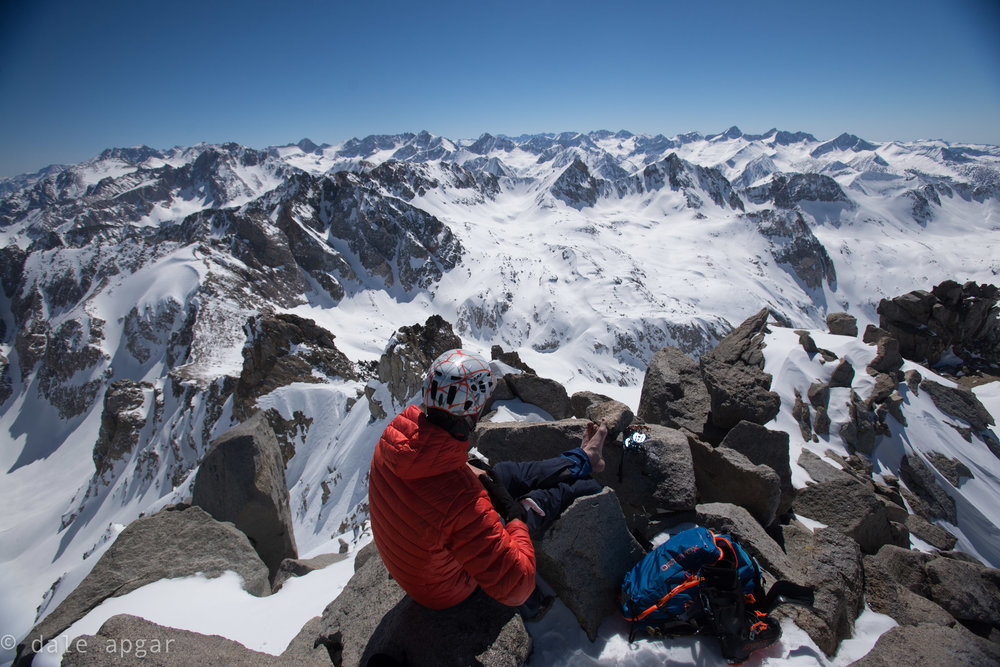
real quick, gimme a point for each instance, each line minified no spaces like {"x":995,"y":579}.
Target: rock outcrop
{"x":737,"y":384}
{"x":282,"y":349}
{"x":833,"y":566}
{"x":140,"y":642}
{"x":126,"y":407}
{"x":842,"y":501}
{"x":175,"y":542}
{"x":963,"y":318}
{"x":409,"y":353}
{"x":242,"y":481}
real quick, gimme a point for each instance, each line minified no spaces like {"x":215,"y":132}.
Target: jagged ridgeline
{"x":153,"y":299}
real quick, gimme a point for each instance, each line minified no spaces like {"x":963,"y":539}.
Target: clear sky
{"x":80,"y":76}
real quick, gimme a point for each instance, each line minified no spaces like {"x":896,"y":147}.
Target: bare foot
{"x":593,"y":444}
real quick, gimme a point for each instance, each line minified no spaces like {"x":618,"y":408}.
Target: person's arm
{"x":501,"y":559}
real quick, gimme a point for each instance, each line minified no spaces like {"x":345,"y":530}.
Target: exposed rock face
{"x":409,"y":354}
{"x":886,"y":596}
{"x":968,"y":591}
{"x":844,"y":502}
{"x":125,"y":414}
{"x":859,"y":431}
{"x":795,"y":247}
{"x":374,"y":616}
{"x":616,"y":414}
{"x":61,"y":354}
{"x":282,"y":349}
{"x":512,"y":359}
{"x":175,"y":542}
{"x":242,"y":480}
{"x":833,"y":565}
{"x":585,"y":566}
{"x":888,"y":358}
{"x":843,"y":374}
{"x":673,"y":392}
{"x":739,"y":394}
{"x":576,"y":187}
{"x":960,"y":317}
{"x":788,"y":190}
{"x":6,"y":383}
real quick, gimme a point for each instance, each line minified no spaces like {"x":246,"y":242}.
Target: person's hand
{"x":504,"y":503}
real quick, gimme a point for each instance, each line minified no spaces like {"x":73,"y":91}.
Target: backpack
{"x":698,"y":582}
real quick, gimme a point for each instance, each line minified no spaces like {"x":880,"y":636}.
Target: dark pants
{"x":553,"y":483}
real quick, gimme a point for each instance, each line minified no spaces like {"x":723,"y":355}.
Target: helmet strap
{"x":458,"y":427}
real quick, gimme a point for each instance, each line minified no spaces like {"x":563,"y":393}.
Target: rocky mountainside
{"x":152,"y":299}
{"x":712,"y":456}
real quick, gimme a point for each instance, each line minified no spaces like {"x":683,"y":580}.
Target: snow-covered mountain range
{"x":132,"y":284}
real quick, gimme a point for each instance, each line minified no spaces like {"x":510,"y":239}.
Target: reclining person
{"x":445,"y":527}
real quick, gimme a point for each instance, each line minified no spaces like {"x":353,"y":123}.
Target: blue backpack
{"x":665,"y":586}
{"x":700,"y":582}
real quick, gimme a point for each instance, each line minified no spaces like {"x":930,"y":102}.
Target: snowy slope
{"x":584,"y":253}
{"x":227,"y":610}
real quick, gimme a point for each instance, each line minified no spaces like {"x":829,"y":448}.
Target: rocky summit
{"x":199,"y":348}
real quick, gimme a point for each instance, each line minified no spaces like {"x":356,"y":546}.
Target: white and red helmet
{"x":459,"y":382}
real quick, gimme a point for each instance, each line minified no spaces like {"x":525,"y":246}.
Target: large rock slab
{"x":886,"y":596}
{"x":842,"y":501}
{"x":175,"y":542}
{"x":765,"y":447}
{"x":585,"y":555}
{"x":959,"y":403}
{"x":727,"y":476}
{"x":921,"y":480}
{"x":659,"y":477}
{"x":242,"y":480}
{"x":833,"y":566}
{"x":546,"y":393}
{"x":969,"y":592}
{"x":527,"y":441}
{"x":842,"y":324}
{"x":674,"y":393}
{"x":374,"y":616}
{"x":137,"y":641}
{"x":930,"y":644}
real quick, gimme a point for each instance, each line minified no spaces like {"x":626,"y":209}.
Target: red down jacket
{"x":434,"y":525}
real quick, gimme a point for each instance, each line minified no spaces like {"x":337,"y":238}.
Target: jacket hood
{"x":412,"y":447}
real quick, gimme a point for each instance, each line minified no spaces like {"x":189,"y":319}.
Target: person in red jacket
{"x":445,"y":527}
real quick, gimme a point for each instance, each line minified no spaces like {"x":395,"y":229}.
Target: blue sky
{"x":78,"y":77}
